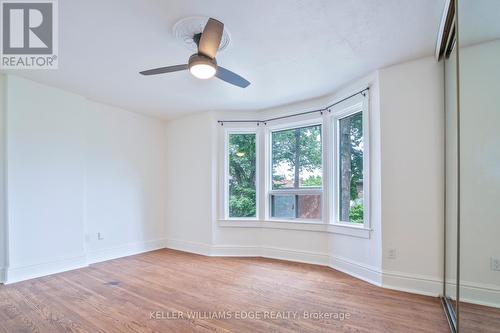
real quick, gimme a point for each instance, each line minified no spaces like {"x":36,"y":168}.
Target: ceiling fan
{"x":203,"y":64}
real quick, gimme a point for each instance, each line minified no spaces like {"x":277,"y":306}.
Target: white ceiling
{"x":290,"y":50}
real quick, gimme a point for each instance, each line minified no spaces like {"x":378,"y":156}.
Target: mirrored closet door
{"x":472,"y":222}
{"x":451,"y":175}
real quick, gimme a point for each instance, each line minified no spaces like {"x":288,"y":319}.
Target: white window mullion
{"x":297,"y":191}
{"x":262,"y":173}
{"x":327,"y":166}
{"x":335,"y":171}
{"x":266,"y":174}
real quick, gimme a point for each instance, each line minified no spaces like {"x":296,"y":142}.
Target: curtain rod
{"x":221,"y":122}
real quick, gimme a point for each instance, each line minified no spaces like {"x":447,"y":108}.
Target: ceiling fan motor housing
{"x":199,"y":59}
{"x":201,"y":66}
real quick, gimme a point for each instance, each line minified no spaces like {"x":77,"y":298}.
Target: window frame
{"x":328,"y":120}
{"x":316,"y":121}
{"x":351,"y":107}
{"x":227,"y":133}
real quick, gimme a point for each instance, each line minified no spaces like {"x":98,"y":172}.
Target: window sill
{"x":342,"y":229}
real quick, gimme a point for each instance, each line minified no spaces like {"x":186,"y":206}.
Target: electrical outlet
{"x":391,"y":254}
{"x":495,"y":264}
{"x":99,"y":236}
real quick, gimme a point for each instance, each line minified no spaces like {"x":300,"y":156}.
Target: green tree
{"x":313,"y":181}
{"x":356,"y":213}
{"x":356,"y":153}
{"x":299,"y":149}
{"x":351,"y":167}
{"x":242,"y":196}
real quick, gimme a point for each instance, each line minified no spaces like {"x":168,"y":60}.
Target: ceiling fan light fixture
{"x":202,"y":67}
{"x":203,"y":71}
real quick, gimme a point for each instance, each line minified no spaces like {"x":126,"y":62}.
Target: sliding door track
{"x":450,"y":313}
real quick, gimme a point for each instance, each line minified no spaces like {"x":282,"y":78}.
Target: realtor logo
{"x":29,"y":34}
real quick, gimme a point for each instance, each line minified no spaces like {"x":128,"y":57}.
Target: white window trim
{"x":315,"y":121}
{"x":227,"y":132}
{"x":352,"y":106}
{"x":329,"y":223}
{"x":302,"y":225}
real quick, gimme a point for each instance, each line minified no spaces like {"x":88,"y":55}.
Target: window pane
{"x":309,"y":207}
{"x":242,"y":195}
{"x":283,"y":206}
{"x":297,"y":158}
{"x":293,"y":206}
{"x":283,"y":151}
{"x":351,"y":168}
{"x":310,"y":170}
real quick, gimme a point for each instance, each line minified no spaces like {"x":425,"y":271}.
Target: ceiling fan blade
{"x":210,"y":38}
{"x":162,"y":70}
{"x":231,"y":77}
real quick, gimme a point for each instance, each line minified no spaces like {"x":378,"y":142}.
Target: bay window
{"x":314,"y":170}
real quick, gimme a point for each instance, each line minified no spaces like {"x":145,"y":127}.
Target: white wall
{"x":480,"y":172}
{"x":125,"y":182}
{"x":76,"y":168}
{"x":412,"y":123}
{"x":45,"y":153}
{"x":3,"y":198}
{"x":189,"y":179}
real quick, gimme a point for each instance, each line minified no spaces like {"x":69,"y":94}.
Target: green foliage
{"x":313,"y":181}
{"x":351,"y":167}
{"x":356,"y":213}
{"x":299,"y":149}
{"x":242,"y":203}
{"x":356,"y":153}
{"x":242,"y":196}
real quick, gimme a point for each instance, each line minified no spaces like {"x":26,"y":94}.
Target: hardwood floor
{"x":157,"y":291}
{"x":479,"y":319}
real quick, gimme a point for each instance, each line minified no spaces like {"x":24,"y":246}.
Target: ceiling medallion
{"x":186,"y":28}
